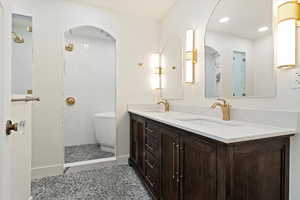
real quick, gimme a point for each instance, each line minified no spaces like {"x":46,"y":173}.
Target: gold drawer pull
{"x":150,"y":130}
{"x":149,"y":180}
{"x":150,"y":165}
{"x":149,"y":147}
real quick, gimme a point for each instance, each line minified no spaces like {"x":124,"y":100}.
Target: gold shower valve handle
{"x":70,"y":101}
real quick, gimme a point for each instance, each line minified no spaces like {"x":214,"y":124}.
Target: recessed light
{"x":224,"y":20}
{"x":263,"y":29}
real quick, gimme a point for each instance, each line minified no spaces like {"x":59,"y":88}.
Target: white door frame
{"x":9,"y":170}
{"x":6,"y":187}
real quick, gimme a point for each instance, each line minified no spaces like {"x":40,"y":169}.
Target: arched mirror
{"x":239,"y":52}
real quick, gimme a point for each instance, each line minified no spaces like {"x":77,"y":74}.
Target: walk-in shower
{"x":89,"y":92}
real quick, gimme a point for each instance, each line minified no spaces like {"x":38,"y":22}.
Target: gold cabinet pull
{"x":173,"y":161}
{"x":178,"y":163}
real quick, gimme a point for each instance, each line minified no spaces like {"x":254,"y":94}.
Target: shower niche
{"x":89,"y":96}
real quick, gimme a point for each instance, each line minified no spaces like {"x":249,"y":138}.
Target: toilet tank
{"x":105,"y":128}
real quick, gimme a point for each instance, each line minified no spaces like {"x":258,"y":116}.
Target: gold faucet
{"x":166,"y":105}
{"x":225,"y":107}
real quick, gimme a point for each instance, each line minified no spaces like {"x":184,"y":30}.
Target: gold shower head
{"x":18,"y":39}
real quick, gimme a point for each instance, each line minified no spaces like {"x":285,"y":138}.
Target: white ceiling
{"x":246,"y":16}
{"x":148,"y":8}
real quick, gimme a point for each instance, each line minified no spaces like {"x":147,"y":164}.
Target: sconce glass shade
{"x":189,"y":71}
{"x":189,"y":44}
{"x":288,"y":20}
{"x":286,"y":47}
{"x":156,"y":72}
{"x":190,"y":56}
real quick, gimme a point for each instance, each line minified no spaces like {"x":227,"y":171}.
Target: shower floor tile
{"x":85,"y":152}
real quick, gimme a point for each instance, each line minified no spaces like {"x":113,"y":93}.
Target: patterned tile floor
{"x":116,"y":182}
{"x":85,"y":152}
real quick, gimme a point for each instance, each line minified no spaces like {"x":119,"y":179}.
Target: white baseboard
{"x":123,"y":160}
{"x":51,"y":170}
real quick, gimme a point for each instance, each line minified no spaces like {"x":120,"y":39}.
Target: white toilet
{"x":105,"y":130}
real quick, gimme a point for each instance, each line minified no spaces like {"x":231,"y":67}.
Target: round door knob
{"x":11,"y":127}
{"x":70,"y":101}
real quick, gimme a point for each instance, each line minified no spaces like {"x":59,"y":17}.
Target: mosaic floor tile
{"x":117,"y":182}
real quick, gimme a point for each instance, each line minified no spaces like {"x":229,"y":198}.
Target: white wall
{"x":195,"y":13}
{"x":90,"y":78}
{"x":136,"y":40}
{"x":263,"y":76}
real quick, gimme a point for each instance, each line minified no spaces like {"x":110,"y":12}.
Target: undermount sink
{"x":211,"y":122}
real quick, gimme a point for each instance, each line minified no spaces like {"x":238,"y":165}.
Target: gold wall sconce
{"x":29,"y":29}
{"x":158,"y":71}
{"x":287,"y":22}
{"x":69,"y":47}
{"x":17,"y":38}
{"x":191,"y":55}
{"x":70,"y":101}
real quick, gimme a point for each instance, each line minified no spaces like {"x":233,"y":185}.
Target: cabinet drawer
{"x":152,"y":181}
{"x":152,"y":144}
{"x":153,"y":129}
{"x":152,"y":163}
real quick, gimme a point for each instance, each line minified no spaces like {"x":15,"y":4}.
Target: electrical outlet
{"x":296,"y":79}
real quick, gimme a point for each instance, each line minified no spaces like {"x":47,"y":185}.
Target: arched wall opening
{"x":90,"y":82}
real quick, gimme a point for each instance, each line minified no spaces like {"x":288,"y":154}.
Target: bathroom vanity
{"x":193,"y":158}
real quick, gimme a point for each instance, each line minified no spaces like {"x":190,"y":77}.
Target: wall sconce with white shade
{"x":190,"y":57}
{"x":288,"y":20}
{"x":156,"y":79}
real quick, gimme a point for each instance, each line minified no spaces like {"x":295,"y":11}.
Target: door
{"x":198,"y":167}
{"x":239,"y":73}
{"x":170,"y":165}
{"x":15,"y":149}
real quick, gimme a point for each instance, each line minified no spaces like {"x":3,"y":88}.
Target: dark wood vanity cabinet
{"x":178,"y":165}
{"x":137,"y":126}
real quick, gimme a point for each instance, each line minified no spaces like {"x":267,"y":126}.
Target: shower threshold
{"x":86,"y":154}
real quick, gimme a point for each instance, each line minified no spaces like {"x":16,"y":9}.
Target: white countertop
{"x":223,"y":131}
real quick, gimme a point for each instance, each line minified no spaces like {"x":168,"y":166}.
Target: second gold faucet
{"x":225,"y":107}
{"x":166,"y":104}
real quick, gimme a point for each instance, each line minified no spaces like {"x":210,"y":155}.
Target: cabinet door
{"x":133,"y":141}
{"x":141,"y":148}
{"x":260,"y":170}
{"x":170,"y":165}
{"x":198,"y":169}
{"x":137,"y":135}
